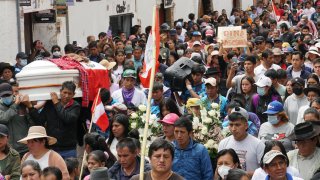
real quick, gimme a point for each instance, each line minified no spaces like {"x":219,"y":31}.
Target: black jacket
{"x":60,"y":122}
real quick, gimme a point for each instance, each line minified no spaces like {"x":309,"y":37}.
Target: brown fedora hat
{"x":303,"y":131}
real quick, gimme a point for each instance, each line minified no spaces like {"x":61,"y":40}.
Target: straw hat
{"x":36,"y":132}
{"x":107,"y":64}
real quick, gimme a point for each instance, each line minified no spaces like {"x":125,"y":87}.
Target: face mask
{"x":273,"y":120}
{"x":56,"y":53}
{"x":180,"y":52}
{"x":297,"y":90}
{"x":23,"y":62}
{"x":7,"y":100}
{"x":223,"y":171}
{"x":260,"y":91}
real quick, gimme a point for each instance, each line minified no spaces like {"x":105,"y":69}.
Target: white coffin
{"x":39,"y":78}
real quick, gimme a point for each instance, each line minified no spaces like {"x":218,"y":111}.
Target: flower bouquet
{"x":207,"y":129}
{"x":137,"y":121}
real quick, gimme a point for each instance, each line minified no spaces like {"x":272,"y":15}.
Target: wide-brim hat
{"x":36,"y":132}
{"x":304,"y":131}
{"x":312,"y":87}
{"x":107,"y":64}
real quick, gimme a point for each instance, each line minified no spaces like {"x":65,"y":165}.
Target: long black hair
{"x":171,"y":105}
{"x":124,"y":121}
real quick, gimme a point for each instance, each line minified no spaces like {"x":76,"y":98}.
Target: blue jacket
{"x":193,"y":162}
{"x":305,"y":72}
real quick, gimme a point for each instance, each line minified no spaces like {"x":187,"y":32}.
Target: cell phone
{"x":109,"y":32}
{"x":234,"y":60}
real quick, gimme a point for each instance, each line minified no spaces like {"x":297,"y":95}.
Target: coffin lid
{"x":45,"y":67}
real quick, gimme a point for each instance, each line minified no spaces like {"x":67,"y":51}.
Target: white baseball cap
{"x":269,"y":156}
{"x":196,"y":43}
{"x":264,"y":81}
{"x":212,"y":81}
{"x":214,"y":53}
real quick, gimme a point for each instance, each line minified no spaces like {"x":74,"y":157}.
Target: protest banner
{"x":233,"y":38}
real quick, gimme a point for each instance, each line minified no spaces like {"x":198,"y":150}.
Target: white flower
{"x":211,"y":113}
{"x":134,"y":115}
{"x":203,"y":112}
{"x":142,"y":108}
{"x":153,"y":118}
{"x":143,"y":118}
{"x":204,"y":130}
{"x":133,"y":125}
{"x":207,"y":120}
{"x":195,"y":123}
{"x":215,"y":146}
{"x":210,"y":143}
{"x":214,"y":105}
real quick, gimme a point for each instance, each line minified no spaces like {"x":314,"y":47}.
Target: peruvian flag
{"x":151,"y":52}
{"x":276,"y":11}
{"x":99,"y":116}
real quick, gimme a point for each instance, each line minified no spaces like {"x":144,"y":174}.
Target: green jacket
{"x":12,"y":165}
{"x":18,"y":121}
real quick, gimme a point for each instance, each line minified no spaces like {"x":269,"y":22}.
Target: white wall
{"x":143,"y":15}
{"x":183,"y":8}
{"x":8,"y":31}
{"x":87,"y":18}
{"x":246,"y":4}
{"x":218,"y":5}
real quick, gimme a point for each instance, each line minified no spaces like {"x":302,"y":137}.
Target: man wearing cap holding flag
{"x":275,"y":165}
{"x":128,"y":94}
{"x":306,"y":158}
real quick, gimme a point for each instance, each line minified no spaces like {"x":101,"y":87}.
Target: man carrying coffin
{"x":60,"y":117}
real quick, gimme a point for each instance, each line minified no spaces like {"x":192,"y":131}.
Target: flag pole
{"x":146,"y":125}
{"x":92,"y":113}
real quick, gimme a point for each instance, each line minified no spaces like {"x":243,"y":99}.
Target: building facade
{"x":56,"y":22}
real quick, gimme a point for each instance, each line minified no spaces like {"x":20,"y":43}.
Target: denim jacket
{"x":193,"y":162}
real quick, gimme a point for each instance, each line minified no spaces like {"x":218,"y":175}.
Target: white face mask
{"x":23,"y":62}
{"x":56,"y":53}
{"x":180,"y":52}
{"x":223,"y":171}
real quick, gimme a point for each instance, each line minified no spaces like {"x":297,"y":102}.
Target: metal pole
{"x":18,"y":26}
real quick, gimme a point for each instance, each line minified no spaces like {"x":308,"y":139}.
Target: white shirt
{"x":113,"y":146}
{"x":309,"y":12}
{"x":43,"y":161}
{"x":249,"y":150}
{"x":301,"y":112}
{"x":307,"y":166}
{"x":296,"y":74}
{"x":260,"y":70}
{"x":138,"y":97}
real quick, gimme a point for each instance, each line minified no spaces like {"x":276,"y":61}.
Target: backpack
{"x":256,"y":98}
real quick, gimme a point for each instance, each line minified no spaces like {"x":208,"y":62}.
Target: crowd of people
{"x":267,"y":95}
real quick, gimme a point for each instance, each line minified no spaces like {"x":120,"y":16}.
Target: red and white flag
{"x":151,"y":59}
{"x":99,"y":116}
{"x":276,"y":11}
